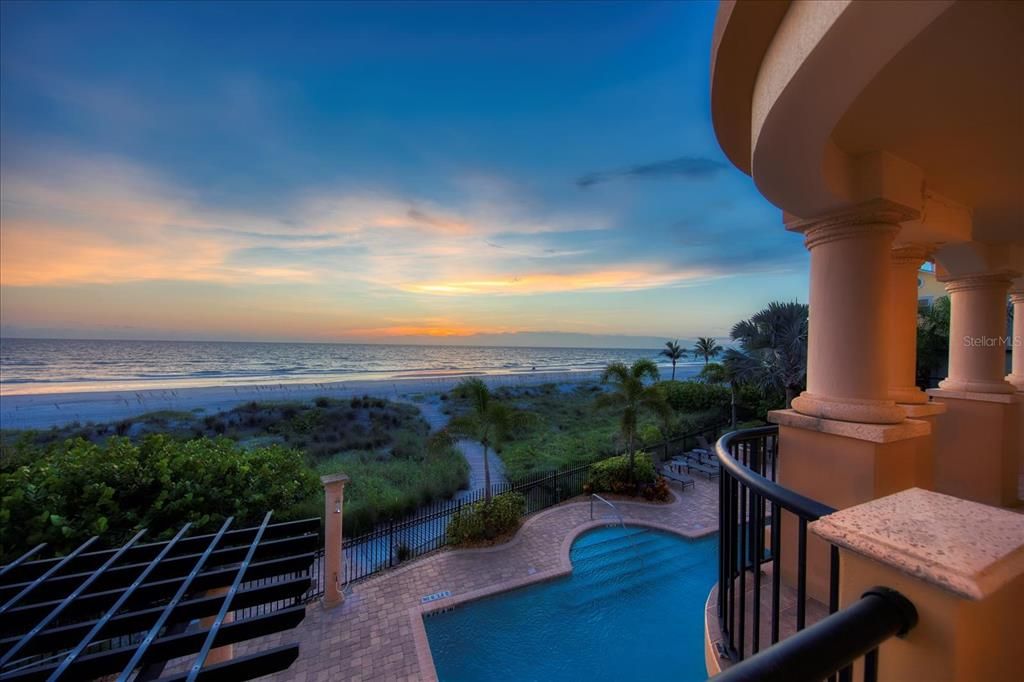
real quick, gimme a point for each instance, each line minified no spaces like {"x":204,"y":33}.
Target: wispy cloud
{"x":82,"y":219}
{"x":636,"y":277}
{"x":691,"y":168}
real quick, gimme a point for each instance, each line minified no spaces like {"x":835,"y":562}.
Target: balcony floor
{"x":814,"y":611}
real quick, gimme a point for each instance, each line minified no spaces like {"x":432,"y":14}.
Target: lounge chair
{"x":681,"y":478}
{"x":702,"y":442}
{"x":702,"y":462}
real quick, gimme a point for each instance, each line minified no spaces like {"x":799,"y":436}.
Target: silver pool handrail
{"x":615,"y":509}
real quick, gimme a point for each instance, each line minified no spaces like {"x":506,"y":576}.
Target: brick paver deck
{"x":378,"y":633}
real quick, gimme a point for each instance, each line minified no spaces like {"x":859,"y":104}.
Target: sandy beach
{"x":40,"y":411}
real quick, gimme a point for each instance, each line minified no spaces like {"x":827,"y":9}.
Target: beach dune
{"x":40,"y":411}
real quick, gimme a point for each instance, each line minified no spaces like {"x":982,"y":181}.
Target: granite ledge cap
{"x":963,"y":547}
{"x":940,"y":394}
{"x":873,"y":433}
{"x":334,"y":478}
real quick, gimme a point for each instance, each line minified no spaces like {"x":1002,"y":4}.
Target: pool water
{"x":632,"y":609}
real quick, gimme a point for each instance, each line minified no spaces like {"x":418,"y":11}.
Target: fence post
{"x":334,"y":494}
{"x":391,"y":542}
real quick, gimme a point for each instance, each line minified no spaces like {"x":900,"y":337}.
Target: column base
{"x":908,"y":395}
{"x":925,"y":411}
{"x":1017,"y":381}
{"x":842,"y":464}
{"x":978,"y":446}
{"x":849,"y":409}
{"x":976,"y":386}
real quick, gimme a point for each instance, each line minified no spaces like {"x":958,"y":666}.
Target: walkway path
{"x":377,"y":633}
{"x":431,"y":408}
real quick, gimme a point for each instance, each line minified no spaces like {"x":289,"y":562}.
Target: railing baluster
{"x":871,"y":666}
{"x":758,"y":558}
{"x":743,"y":570}
{"x":776,"y":568}
{"x":801,"y":575}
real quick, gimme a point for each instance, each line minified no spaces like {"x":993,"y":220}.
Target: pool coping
{"x":428,"y":672}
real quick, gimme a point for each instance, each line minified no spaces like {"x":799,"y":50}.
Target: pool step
{"x":617,"y":554}
{"x":621,"y":584}
{"x":586,"y":547}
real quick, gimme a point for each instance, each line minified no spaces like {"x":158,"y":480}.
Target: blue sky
{"x":380,"y":172}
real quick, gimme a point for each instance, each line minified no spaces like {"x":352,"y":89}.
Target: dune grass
{"x":383,"y":446}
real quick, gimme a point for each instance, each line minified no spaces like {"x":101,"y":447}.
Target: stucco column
{"x":334,"y":498}
{"x":977,"y":334}
{"x":847,"y":353}
{"x":906,"y":263}
{"x":1016,"y":377}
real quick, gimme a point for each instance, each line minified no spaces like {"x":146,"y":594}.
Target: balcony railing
{"x":833,"y":644}
{"x":751,"y":506}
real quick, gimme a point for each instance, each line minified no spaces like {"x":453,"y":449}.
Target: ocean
{"x":33,"y":366}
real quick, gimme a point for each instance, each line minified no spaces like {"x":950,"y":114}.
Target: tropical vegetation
{"x":674,"y":352}
{"x":707,"y":348}
{"x":933,"y":342}
{"x":630,"y":395}
{"x":488,"y":421}
{"x":487,"y":520}
{"x":772,"y":353}
{"x":74,"y":490}
{"x":394,"y":463}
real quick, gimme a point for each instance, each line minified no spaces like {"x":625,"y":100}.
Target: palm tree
{"x":632,"y":395}
{"x":773,"y":349}
{"x":488,"y":421}
{"x":674,"y":352}
{"x":708,"y":347}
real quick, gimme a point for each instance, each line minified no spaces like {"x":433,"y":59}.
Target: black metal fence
{"x":393,"y":542}
{"x":687,"y":441}
{"x":396,"y":541}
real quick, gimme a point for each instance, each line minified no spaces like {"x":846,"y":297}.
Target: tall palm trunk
{"x":487,"y":478}
{"x":632,"y":458}
{"x":673,"y":370}
{"x":732,"y":400}
{"x":791,"y":393}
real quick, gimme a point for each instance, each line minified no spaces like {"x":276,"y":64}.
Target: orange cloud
{"x":544,"y":283}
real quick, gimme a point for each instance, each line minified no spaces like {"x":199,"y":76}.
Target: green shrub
{"x":612,"y":474}
{"x":77,"y":489}
{"x":694,"y":396}
{"x":482,"y":521}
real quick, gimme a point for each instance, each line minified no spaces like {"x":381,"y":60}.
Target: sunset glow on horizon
{"x":365,"y":172}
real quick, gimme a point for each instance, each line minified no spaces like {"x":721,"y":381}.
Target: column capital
{"x":878,"y":216}
{"x":985,"y":280}
{"x":911,"y":253}
{"x":1017,"y":291}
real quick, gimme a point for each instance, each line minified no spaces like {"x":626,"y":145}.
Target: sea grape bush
{"x":76,"y":489}
{"x":612,"y":474}
{"x":483,"y":521}
{"x":695,"y":396}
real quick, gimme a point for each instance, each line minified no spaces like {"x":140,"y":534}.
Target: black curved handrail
{"x":833,"y":643}
{"x":750,"y":505}
{"x":789,"y":500}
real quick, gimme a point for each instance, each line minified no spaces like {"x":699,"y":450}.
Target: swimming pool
{"x":633,"y":609}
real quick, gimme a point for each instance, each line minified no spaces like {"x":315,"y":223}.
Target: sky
{"x":373,"y":172}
